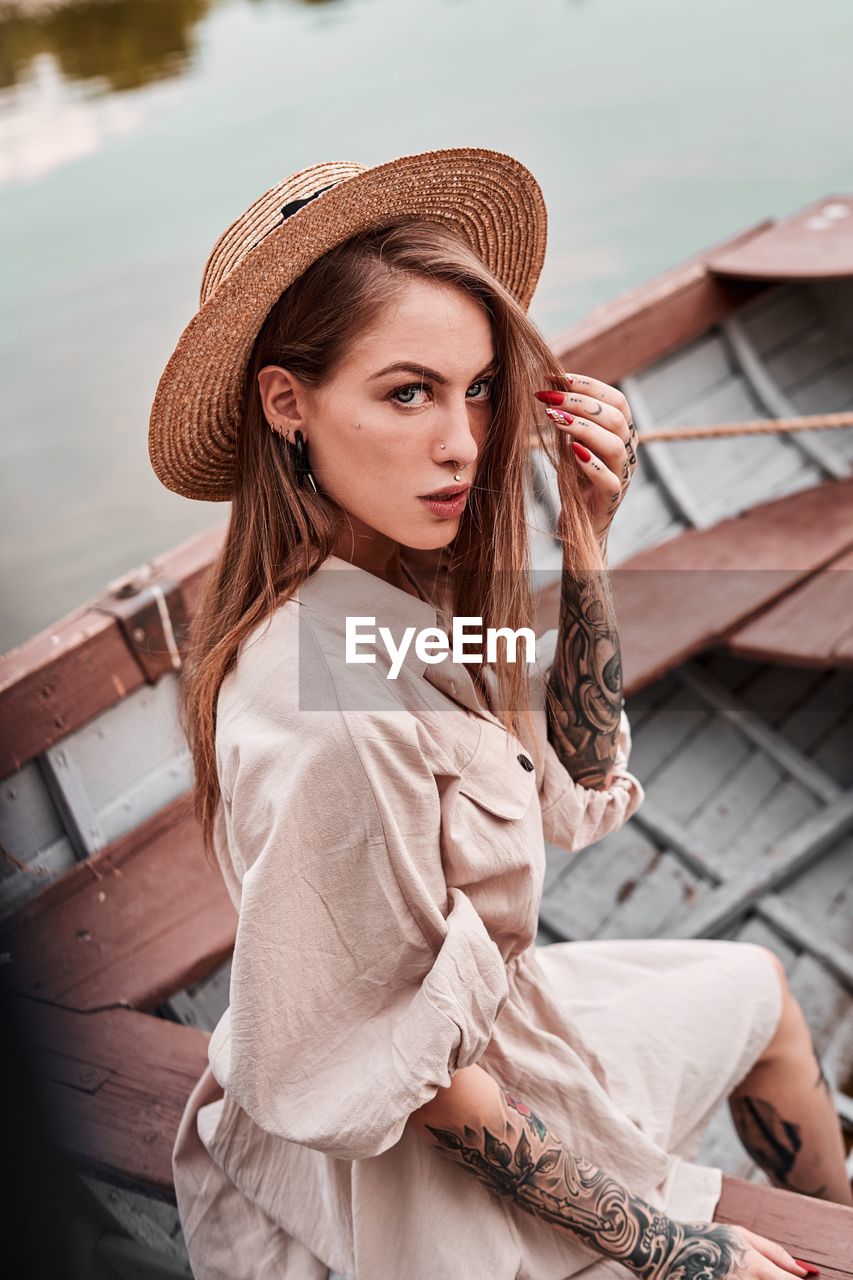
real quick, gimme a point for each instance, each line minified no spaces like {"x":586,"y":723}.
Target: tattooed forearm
{"x":585,"y":683}
{"x":773,"y":1143}
{"x":525,"y":1162}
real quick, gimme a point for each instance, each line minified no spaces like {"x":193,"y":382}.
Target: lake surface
{"x":133,"y":132}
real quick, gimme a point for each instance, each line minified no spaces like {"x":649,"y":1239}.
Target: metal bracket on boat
{"x":152,"y":615}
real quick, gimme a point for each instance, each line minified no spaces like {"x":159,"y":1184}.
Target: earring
{"x":298,"y":456}
{"x":300,"y":460}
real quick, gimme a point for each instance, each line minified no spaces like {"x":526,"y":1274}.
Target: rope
{"x":758,"y":426}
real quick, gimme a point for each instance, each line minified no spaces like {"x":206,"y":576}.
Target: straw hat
{"x":491,"y":198}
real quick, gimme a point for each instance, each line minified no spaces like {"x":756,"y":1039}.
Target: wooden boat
{"x":732,"y":564}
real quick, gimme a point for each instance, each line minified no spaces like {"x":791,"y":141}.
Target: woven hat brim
{"x":490,"y":197}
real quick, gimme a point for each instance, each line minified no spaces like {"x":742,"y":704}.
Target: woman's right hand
{"x":718,"y":1251}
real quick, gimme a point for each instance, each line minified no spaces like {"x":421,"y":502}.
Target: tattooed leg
{"x":525,"y":1162}
{"x":585,"y":683}
{"x":785,"y":1116}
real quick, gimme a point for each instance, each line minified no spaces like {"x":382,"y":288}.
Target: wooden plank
{"x":690,"y":593}
{"x":578,"y":901}
{"x":769,"y":740}
{"x":71,"y":800}
{"x":813,"y":1230}
{"x":774,"y":399}
{"x":665,"y":889}
{"x":791,"y":925}
{"x":34,"y":849}
{"x":814,"y":242}
{"x":812,"y":626}
{"x":673,"y":482}
{"x":129,"y":926}
{"x":679,"y":598}
{"x":727,"y":903}
{"x":70,"y":672}
{"x":116,"y":1083}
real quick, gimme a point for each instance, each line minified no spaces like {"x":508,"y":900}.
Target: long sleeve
{"x":574,"y":816}
{"x":360,"y":983}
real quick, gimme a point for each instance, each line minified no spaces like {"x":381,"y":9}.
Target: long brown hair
{"x":279,"y":533}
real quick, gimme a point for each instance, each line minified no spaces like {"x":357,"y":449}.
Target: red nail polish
{"x":583,"y":454}
{"x":558,"y":415}
{"x":550,"y":397}
{"x":813,"y":1271}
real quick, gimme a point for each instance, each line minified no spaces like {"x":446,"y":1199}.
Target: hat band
{"x":293,"y":205}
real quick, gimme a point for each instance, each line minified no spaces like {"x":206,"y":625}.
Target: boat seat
{"x":788,"y":605}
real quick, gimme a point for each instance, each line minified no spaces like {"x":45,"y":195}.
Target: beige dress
{"x":384,"y":843}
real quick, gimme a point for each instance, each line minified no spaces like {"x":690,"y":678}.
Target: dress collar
{"x":338,"y":590}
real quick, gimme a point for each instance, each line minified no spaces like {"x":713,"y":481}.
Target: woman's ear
{"x":282,"y":400}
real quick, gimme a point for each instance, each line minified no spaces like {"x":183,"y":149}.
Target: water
{"x":133,"y":131}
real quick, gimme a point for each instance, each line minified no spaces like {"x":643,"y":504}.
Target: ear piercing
{"x":299,"y":457}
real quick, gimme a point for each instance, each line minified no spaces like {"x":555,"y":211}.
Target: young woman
{"x":404,"y":1085}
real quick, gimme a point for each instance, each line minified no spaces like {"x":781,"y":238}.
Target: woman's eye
{"x":406,"y":391}
{"x":482,"y":382}
{"x":412,"y":386}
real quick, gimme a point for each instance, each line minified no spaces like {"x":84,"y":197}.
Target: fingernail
{"x":808,"y":1268}
{"x":568,"y":377}
{"x":559,"y":416}
{"x":550,"y":397}
{"x":583,"y":454}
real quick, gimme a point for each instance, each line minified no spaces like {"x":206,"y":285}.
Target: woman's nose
{"x":458,"y":438}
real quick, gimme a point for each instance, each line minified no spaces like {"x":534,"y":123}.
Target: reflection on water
{"x":126,"y":43}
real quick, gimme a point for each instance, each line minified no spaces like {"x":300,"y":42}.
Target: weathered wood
{"x":813,"y":1230}
{"x":774,"y":399}
{"x":685,"y":503}
{"x":130,"y":926}
{"x":813,"y":626}
{"x":694,"y":591}
{"x":815,"y":241}
{"x":116,"y":1083}
{"x":769,"y":740}
{"x":72,"y":671}
{"x":71,"y":800}
{"x":670,"y":834}
{"x":792,"y":926}
{"x":727,"y":903}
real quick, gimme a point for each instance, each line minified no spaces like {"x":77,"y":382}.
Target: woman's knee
{"x":792,"y":1027}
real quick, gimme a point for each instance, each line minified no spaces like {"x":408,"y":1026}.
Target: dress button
{"x":526,"y":763}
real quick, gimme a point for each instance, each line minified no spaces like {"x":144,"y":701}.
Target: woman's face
{"x":375,"y":432}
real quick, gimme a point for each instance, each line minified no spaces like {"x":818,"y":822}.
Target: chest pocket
{"x":499,"y":776}
{"x":496,"y":831}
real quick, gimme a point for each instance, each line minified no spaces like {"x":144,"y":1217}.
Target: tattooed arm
{"x":585,"y":687}
{"x":585,"y":683}
{"x":502,"y":1143}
